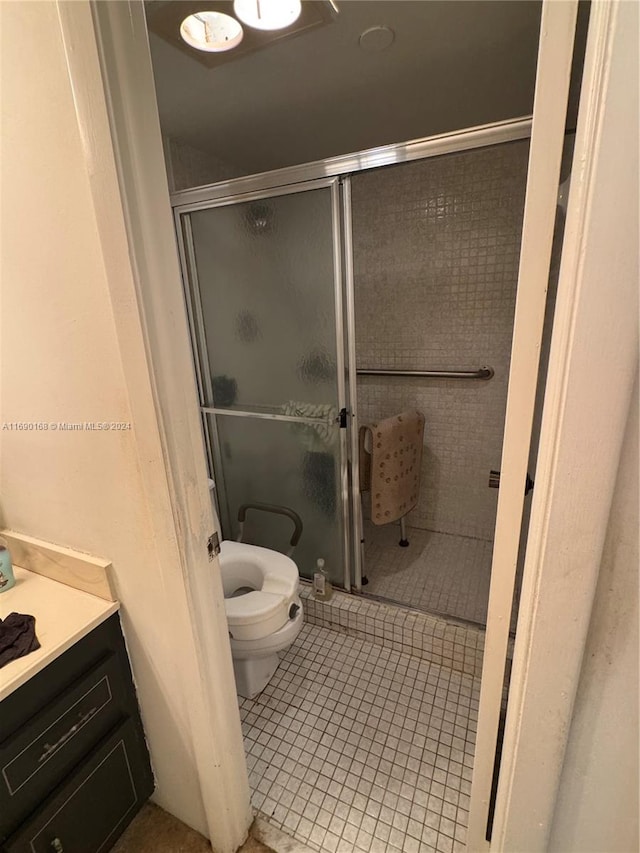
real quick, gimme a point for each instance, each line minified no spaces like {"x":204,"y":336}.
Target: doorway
{"x":498,"y":654}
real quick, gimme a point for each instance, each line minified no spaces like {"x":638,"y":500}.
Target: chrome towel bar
{"x":482,"y":373}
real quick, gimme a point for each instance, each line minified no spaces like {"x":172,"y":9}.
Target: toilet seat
{"x":267,"y":646}
{"x":260,"y":587}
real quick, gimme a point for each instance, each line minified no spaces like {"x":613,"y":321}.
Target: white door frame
{"x":555,"y":54}
{"x":592,"y":366}
{"x":122,"y":38}
{"x":106,"y":45}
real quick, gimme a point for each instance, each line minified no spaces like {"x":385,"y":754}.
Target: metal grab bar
{"x":279,"y":510}
{"x":482,"y":373}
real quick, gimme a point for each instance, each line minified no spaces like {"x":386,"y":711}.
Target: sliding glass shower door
{"x":264,"y":296}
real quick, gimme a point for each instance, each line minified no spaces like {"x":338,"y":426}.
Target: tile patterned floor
{"x":437,"y":573}
{"x":357,"y":747}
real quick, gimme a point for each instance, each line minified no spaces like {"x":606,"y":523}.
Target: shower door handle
{"x":342,"y":418}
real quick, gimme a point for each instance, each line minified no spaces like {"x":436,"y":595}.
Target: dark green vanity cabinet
{"x":74,"y":765}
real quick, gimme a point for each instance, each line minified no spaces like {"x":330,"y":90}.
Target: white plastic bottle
{"x":322,"y":589}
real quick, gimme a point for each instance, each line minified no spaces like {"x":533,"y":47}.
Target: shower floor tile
{"x":438,"y":572}
{"x":356,"y":747}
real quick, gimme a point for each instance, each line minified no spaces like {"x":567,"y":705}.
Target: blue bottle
{"x":7,"y":578}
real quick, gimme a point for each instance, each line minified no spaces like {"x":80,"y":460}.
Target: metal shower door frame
{"x":350,"y":340}
{"x":191,"y":286}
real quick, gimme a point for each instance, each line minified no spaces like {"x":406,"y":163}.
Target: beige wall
{"x":61,"y":363}
{"x":597,"y":806}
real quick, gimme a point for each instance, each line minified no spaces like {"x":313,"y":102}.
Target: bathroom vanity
{"x":74,"y":766}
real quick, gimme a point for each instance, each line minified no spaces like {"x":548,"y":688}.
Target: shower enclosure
{"x":340,"y":293}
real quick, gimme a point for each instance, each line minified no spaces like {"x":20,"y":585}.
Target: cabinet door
{"x":93,"y":807}
{"x":43,"y":752}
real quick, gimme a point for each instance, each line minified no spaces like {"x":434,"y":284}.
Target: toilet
{"x":264,"y":611}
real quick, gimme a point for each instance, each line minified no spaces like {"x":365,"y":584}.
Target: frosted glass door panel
{"x":294,"y":465}
{"x":266,"y":279}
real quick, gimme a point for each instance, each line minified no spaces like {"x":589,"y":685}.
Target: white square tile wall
{"x":456,"y":646}
{"x":436,"y":249}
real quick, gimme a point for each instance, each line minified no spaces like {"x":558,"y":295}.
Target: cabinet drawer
{"x":62,"y":673}
{"x":45,"y":750}
{"x":96,"y":803}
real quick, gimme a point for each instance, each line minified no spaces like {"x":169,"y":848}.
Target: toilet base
{"x":253,"y":674}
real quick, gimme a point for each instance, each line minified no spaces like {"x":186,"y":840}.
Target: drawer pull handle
{"x":56,"y":846}
{"x":49,"y":748}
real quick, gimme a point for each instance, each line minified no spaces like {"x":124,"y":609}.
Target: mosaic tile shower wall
{"x":436,"y":248}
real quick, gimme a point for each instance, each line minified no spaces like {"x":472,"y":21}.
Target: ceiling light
{"x":213,"y":32}
{"x":267,"y":14}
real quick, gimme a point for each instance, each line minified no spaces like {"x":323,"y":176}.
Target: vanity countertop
{"x":63,"y":616}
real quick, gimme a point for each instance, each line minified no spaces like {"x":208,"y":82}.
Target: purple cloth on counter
{"x":17,"y":637}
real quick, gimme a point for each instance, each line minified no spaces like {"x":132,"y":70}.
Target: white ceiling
{"x":453,"y":64}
